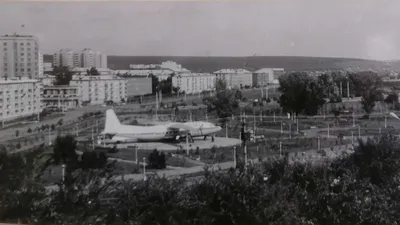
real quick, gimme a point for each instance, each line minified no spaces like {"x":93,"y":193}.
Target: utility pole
{"x":280,"y":149}
{"x":348,"y":90}
{"x":144,"y":169}
{"x":234,"y":157}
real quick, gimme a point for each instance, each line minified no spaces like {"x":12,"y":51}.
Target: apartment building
{"x":138,"y":85}
{"x":63,"y":97}
{"x":235,"y":77}
{"x":19,"y":98}
{"x":277,"y":72}
{"x":90,"y":58}
{"x":100,"y":89}
{"x":47,"y":68}
{"x":40,"y":64}
{"x":263,"y":77}
{"x":64,"y":57}
{"x":19,"y":56}
{"x":85,"y":58}
{"x":161,"y":74}
{"x":194,"y":82}
{"x":47,"y":80}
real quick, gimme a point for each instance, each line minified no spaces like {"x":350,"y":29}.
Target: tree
{"x":60,"y":122}
{"x":93,"y":71}
{"x":156,"y":160}
{"x":53,"y":127}
{"x":62,"y":74}
{"x":20,"y":189}
{"x":224,"y":102}
{"x":16,"y":133}
{"x":392,"y":99}
{"x":64,"y":152}
{"x":368,"y":85}
{"x":300,"y":93}
{"x":29,"y":130}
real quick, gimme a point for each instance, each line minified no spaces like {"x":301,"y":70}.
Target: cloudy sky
{"x":341,"y":28}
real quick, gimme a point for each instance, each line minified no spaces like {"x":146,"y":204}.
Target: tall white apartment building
{"x":19,"y":56}
{"x":65,"y":58}
{"x":194,"y":82}
{"x":19,"y":98}
{"x":40,"y":64}
{"x":84,"y":58}
{"x":100,"y":89}
{"x":90,"y":58}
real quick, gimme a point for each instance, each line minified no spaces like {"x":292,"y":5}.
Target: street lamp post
{"x":354,"y":122}
{"x":136,"y":155}
{"x":290,"y":131}
{"x":50,"y":137}
{"x":234,"y":157}
{"x":385,"y":122}
{"x":280,"y":149}
{"x":144,"y":169}
{"x":281,"y":127}
{"x":328,"y":130}
{"x":319,"y":143}
{"x":63,"y":173}
{"x":359,"y":131}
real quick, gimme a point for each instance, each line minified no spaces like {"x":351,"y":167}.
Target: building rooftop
{"x":77,"y":77}
{"x":194,"y":74}
{"x":232,"y":71}
{"x":264,"y":70}
{"x":15,"y":81}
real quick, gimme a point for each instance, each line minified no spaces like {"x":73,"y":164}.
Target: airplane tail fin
{"x":112,"y":122}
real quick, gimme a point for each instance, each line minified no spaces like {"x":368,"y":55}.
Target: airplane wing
{"x":181,"y":126}
{"x":394,"y":115}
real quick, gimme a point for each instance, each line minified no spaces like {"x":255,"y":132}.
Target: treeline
{"x":361,"y":188}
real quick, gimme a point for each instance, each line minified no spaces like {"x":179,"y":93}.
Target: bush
{"x":156,"y":160}
{"x":29,"y":130}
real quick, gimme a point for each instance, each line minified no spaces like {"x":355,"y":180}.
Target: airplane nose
{"x":219,"y":128}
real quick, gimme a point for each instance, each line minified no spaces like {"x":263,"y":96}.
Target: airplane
{"x":120,"y":133}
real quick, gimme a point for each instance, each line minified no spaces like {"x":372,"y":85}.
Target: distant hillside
{"x":289,"y":63}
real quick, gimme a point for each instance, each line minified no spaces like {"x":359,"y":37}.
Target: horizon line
{"x":253,"y":56}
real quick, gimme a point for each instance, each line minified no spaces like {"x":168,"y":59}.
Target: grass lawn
{"x":264,"y":148}
{"x":363,"y":132}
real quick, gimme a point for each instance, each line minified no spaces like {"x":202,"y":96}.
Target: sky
{"x":323,"y":28}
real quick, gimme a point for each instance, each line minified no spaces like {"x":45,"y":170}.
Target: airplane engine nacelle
{"x":177,"y":137}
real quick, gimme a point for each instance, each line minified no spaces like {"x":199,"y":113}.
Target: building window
{"x":5,"y":43}
{"x":22,"y":54}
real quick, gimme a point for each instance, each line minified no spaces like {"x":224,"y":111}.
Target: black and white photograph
{"x":190,"y":112}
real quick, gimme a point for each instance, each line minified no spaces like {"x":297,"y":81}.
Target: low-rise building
{"x":100,"y":89}
{"x":161,"y":74}
{"x":47,"y":67}
{"x":47,"y":80}
{"x":62,"y":97}
{"x":19,"y":98}
{"x":235,"y":77}
{"x":194,"y":82}
{"x":84,"y":71}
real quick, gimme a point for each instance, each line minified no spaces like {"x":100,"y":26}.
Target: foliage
{"x":301,"y":93}
{"x":359,"y":188}
{"x":93,"y":160}
{"x":19,"y":187}
{"x":368,"y":85}
{"x":64,"y":153}
{"x":224,"y":102}
{"x":156,"y":160}
{"x":62,"y":74}
{"x":93,"y":71}
{"x":29,"y":130}
{"x":392,"y":98}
